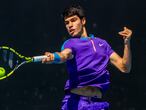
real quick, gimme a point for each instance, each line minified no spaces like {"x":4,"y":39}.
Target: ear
{"x":84,"y":21}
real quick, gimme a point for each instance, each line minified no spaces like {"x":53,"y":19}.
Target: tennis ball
{"x":2,"y":71}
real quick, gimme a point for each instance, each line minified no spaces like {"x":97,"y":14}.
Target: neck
{"x":84,"y":32}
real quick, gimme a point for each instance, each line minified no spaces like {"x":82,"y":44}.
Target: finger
{"x":47,"y":53}
{"x":120,"y":32}
{"x":124,"y":34}
{"x":125,"y":28}
{"x":127,"y":31}
{"x":44,"y":60}
{"x":52,"y":57}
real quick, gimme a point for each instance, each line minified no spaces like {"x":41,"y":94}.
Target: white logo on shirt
{"x":100,"y":44}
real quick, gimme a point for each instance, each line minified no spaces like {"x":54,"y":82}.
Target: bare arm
{"x":64,"y":55}
{"x":123,"y":63}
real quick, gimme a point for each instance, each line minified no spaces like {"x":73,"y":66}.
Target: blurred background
{"x":33,"y":27}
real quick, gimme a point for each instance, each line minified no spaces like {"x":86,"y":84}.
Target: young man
{"x":87,"y":58}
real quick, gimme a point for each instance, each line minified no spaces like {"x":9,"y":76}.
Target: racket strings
{"x":9,"y":60}
{"x":4,"y":55}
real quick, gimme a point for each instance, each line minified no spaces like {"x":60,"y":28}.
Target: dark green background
{"x":34,"y":26}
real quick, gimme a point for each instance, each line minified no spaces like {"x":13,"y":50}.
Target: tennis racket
{"x":10,"y":61}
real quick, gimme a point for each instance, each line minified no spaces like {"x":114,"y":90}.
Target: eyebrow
{"x":70,"y":18}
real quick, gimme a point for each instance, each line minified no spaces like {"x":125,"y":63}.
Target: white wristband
{"x":126,"y":40}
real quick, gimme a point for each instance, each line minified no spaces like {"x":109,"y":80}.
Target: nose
{"x":70,"y":25}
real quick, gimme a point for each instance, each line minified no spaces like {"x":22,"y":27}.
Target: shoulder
{"x":99,"y":39}
{"x":69,"y":43}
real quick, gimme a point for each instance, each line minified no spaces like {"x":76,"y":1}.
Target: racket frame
{"x":26,"y":60}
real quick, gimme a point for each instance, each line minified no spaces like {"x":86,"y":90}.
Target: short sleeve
{"x":67,"y":44}
{"x":109,"y":50}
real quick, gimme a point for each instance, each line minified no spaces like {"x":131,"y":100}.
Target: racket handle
{"x":38,"y":58}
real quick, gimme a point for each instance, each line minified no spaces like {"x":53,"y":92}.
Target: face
{"x":75,"y":25}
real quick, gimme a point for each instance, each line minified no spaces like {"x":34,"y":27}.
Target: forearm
{"x":126,"y":60}
{"x":57,"y":57}
{"x":123,"y":63}
{"x":63,"y":57}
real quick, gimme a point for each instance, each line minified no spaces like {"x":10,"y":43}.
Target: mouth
{"x":71,"y":31}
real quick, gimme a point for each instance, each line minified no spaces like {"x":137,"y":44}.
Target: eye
{"x":66,"y":22}
{"x":73,"y":19}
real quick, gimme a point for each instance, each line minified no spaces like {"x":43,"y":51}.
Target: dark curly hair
{"x":74,"y":9}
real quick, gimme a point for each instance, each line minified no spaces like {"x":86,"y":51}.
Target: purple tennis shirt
{"x":88,"y":66}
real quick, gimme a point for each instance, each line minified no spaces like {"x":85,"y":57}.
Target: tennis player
{"x":87,"y":58}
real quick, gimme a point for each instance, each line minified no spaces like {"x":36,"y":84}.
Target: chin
{"x":74,"y":35}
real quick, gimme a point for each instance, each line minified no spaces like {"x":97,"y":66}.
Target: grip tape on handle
{"x":39,"y":58}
